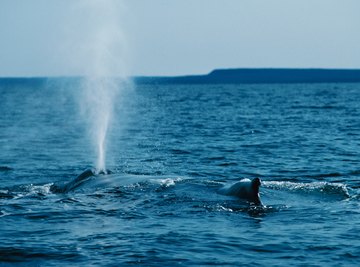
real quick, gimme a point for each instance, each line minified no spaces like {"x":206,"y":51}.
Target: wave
{"x":325,"y":175}
{"x":326,"y":188}
{"x":31,"y":255}
{"x":166,"y":182}
{"x":26,"y":191}
{"x":5,"y":168}
{"x":319,"y":107}
{"x":333,"y":174}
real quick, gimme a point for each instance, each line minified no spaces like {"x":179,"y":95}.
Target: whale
{"x":79,"y":180}
{"x":245,"y":189}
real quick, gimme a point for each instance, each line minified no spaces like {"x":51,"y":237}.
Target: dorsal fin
{"x":255,"y":184}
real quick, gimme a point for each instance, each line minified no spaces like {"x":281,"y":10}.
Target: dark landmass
{"x":227,"y":76}
{"x":250,"y":76}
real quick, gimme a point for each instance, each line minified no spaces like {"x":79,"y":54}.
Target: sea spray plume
{"x":99,"y":39}
{"x":102,"y":50}
{"x":97,"y":107}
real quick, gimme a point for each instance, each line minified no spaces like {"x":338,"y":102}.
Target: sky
{"x":175,"y":37}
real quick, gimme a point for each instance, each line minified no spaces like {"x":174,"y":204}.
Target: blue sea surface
{"x":170,"y":149}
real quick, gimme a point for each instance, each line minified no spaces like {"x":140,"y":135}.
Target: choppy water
{"x":172,"y":148}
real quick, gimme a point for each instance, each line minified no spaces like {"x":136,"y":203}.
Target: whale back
{"x":78,"y":181}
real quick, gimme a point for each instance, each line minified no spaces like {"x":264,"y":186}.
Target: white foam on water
{"x":167,"y":181}
{"x":314,"y":187}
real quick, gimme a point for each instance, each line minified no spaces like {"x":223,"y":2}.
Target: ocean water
{"x":170,"y":149}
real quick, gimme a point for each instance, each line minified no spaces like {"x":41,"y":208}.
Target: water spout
{"x":102,"y":51}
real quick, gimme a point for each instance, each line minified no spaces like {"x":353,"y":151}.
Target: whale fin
{"x":255,"y":184}
{"x":245,"y":189}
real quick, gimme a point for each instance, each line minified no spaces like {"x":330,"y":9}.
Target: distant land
{"x":265,"y":75}
{"x":227,"y":76}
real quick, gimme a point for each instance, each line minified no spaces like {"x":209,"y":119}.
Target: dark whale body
{"x":79,"y":180}
{"x":245,"y":189}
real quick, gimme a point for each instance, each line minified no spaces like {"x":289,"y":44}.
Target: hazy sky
{"x":171,"y":37}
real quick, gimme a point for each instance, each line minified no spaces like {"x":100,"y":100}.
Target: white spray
{"x":101,"y":52}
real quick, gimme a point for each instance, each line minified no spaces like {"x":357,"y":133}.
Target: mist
{"x":95,"y":46}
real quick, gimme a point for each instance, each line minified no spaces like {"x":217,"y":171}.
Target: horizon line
{"x":77,"y":76}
